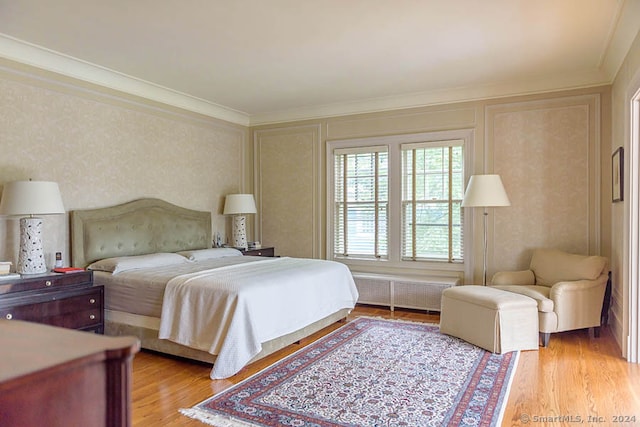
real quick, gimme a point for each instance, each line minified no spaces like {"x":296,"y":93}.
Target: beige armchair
{"x":568,"y":288}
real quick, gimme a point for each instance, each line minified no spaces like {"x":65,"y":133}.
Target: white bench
{"x":392,"y":290}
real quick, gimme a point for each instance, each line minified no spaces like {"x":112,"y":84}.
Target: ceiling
{"x":263,"y":61}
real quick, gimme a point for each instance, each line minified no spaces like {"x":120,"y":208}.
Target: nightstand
{"x":266,"y":251}
{"x":68,"y":300}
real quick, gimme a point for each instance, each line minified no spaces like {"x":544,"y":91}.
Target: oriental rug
{"x":371,"y":372}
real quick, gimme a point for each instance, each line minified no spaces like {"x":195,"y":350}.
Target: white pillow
{"x":202,"y":254}
{"x":125,"y":263}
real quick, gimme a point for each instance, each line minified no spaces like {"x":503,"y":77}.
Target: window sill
{"x":418,"y":268}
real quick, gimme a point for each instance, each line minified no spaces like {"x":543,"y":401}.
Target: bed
{"x":165,"y":285}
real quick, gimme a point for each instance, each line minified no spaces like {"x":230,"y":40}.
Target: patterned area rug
{"x":371,"y":372}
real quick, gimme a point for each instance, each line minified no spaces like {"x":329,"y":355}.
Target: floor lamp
{"x":31,"y":198}
{"x":485,"y":191}
{"x":239,"y":205}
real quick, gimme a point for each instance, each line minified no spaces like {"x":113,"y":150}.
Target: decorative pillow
{"x":202,"y":254}
{"x":125,"y":263}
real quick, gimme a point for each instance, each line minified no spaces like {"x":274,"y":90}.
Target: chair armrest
{"x":522,"y":277}
{"x":578,"y":304}
{"x":561,"y":288}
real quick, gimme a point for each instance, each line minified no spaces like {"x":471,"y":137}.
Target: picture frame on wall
{"x":617,"y":175}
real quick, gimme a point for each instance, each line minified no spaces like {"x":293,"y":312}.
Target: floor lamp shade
{"x":485,"y":191}
{"x":239,"y":205}
{"x":31,"y":198}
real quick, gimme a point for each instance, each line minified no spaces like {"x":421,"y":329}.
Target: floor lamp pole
{"x":484,"y":249}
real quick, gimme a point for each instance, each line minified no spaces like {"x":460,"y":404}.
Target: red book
{"x":67,"y":269}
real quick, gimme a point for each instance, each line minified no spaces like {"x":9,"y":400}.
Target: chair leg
{"x":596,"y":332}
{"x":544,"y":338}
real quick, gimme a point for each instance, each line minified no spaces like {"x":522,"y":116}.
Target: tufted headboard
{"x":136,"y":228}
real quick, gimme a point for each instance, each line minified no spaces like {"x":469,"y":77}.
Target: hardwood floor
{"x":577,"y":377}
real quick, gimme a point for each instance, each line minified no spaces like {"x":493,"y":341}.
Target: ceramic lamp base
{"x":239,"y":231}
{"x":31,"y":256}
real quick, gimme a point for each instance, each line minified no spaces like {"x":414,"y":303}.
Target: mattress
{"x":141,"y":291}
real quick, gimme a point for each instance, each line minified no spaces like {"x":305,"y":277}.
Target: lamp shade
{"x":239,"y":204}
{"x":31,"y":198}
{"x":485,"y":191}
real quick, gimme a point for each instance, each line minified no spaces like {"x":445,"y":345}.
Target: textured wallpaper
{"x":287,"y":168}
{"x":544,"y":154}
{"x":104,"y":150}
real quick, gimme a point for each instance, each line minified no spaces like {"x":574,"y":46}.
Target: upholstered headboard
{"x":136,"y":228}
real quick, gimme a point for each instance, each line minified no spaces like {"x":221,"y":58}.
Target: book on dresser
{"x":67,"y":269}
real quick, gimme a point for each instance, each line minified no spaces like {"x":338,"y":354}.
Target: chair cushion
{"x":538,"y":293}
{"x":551,"y":266}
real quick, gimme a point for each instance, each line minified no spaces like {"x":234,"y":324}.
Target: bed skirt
{"x":146,"y":330}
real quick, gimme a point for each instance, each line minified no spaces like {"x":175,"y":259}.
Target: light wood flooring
{"x":577,"y":376}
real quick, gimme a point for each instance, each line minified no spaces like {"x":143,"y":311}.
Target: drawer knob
{"x":47,"y":283}
{"x":92,"y":317}
{"x":9,"y":316}
{"x":92,"y":301}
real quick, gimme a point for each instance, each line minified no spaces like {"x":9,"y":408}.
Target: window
{"x":398,"y":199}
{"x":432,"y":191}
{"x":361,"y":202}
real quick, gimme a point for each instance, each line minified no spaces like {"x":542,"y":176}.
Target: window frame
{"x":411,"y":147}
{"x":375,"y":150}
{"x":394,"y":144}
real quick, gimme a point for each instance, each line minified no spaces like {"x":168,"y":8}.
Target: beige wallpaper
{"x":106,"y":149}
{"x":288,"y":162}
{"x":543,"y":151}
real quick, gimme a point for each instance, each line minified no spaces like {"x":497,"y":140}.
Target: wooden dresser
{"x":60,"y":377}
{"x":69,"y":300}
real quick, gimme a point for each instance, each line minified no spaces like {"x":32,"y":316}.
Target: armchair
{"x":568,"y":288}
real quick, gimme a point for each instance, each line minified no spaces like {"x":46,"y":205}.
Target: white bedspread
{"x":230,"y":311}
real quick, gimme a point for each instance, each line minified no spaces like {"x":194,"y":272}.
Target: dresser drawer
{"x":81,"y":310}
{"x":266,"y":252}
{"x":45,"y":282}
{"x":77,"y":320}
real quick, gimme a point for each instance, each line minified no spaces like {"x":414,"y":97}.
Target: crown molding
{"x":37,"y":56}
{"x":524,"y":86}
{"x":625,"y":30}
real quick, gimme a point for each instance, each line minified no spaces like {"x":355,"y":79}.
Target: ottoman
{"x":496,"y":320}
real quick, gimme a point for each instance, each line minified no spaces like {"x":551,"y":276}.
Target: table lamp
{"x":31,"y":198}
{"x":239,"y":205}
{"x":485,"y":191}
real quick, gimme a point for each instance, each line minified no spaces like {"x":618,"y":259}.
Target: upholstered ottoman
{"x":496,"y":320}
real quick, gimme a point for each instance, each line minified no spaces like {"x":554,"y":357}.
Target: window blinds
{"x":432,"y":192}
{"x":361,"y":202}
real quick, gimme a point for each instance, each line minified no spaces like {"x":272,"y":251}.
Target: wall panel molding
{"x":548,"y":154}
{"x":288,"y":182}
